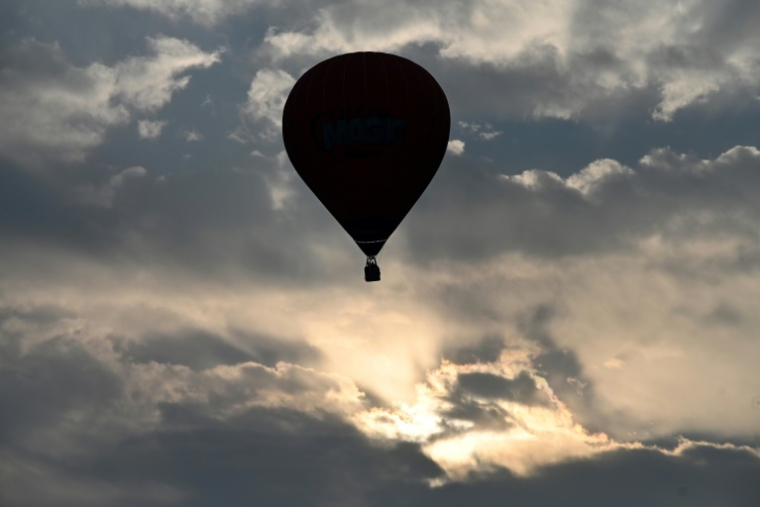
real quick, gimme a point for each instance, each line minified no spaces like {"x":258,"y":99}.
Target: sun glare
{"x":530,"y":435}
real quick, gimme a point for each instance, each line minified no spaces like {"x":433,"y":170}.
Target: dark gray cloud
{"x":483,"y":416}
{"x":33,"y":211}
{"x":199,"y":350}
{"x":562,"y":369}
{"x":40,"y":387}
{"x":205,"y":222}
{"x":627,"y":478}
{"x":521,"y":389}
{"x":486,"y":350}
{"x":262,"y":452}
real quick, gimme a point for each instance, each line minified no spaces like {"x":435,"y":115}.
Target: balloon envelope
{"x":367,"y":132}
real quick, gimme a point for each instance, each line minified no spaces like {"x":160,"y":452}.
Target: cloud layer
{"x":54,"y":110}
{"x":557,"y":59}
{"x":182,"y":322}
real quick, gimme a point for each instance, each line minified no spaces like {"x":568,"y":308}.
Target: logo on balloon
{"x":349,"y":128}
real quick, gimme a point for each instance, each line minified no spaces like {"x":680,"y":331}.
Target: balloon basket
{"x":371,"y":270}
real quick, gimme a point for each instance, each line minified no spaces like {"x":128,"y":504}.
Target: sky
{"x":568,"y":316}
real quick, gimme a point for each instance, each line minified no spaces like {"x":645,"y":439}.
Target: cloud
{"x":52,"y":109}
{"x":104,"y":194}
{"x":266,"y":100}
{"x":128,"y":381}
{"x":484,"y":132}
{"x":455,"y":147}
{"x":210,"y":392}
{"x":204,"y":12}
{"x":521,"y":389}
{"x":150,"y":129}
{"x":604,"y":206}
{"x":191,"y":135}
{"x":539,"y":429}
{"x":627,"y":233}
{"x":29,"y":482}
{"x":56,"y":111}
{"x":128,"y":402}
{"x":488,"y":136}
{"x":148,"y":83}
{"x":596,"y":173}
{"x":199,"y":350}
{"x":196,"y":330}
{"x":672,"y":239}
{"x":200,"y":220}
{"x":552,"y":58}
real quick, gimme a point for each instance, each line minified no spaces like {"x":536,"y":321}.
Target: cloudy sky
{"x":568,"y":316}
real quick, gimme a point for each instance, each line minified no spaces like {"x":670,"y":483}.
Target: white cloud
{"x":484,"y":131}
{"x":132,"y":172}
{"x":490,"y":135}
{"x":56,"y":110}
{"x":469,"y":126}
{"x":554,"y":58}
{"x":148,"y":83}
{"x":266,"y":100}
{"x":455,"y":147}
{"x":597,"y":172}
{"x":150,"y":129}
{"x":563,"y":59}
{"x":53,"y":110}
{"x":191,"y":135}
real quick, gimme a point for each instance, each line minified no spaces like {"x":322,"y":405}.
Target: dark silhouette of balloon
{"x":367,"y":132}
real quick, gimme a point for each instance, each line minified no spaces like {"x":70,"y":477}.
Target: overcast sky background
{"x":568,"y":316}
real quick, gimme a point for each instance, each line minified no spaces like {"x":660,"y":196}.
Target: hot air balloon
{"x":366,"y":132}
